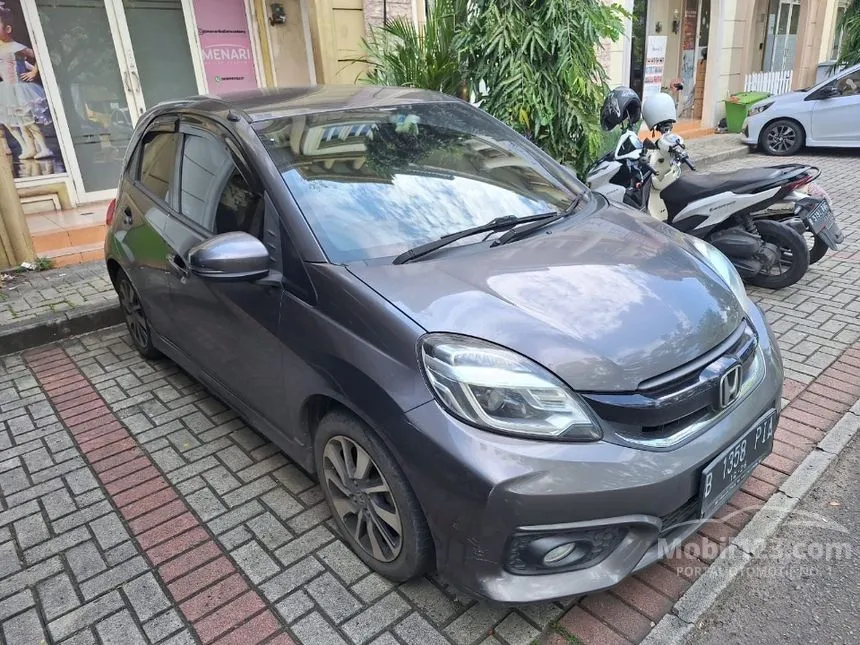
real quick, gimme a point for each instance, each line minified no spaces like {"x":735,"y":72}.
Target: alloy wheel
{"x":134,"y":316}
{"x":781,"y":138}
{"x":362,"y":498}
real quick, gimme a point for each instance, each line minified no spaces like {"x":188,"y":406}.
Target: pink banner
{"x":228,"y":60}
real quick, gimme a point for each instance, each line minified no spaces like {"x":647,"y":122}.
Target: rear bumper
{"x":479,"y":489}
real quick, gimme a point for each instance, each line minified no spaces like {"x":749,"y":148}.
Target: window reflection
{"x":373,"y":183}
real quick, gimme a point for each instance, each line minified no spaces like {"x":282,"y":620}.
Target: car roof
{"x":265,"y":104}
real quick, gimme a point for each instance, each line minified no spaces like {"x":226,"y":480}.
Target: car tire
{"x":791,"y":243}
{"x":135,"y":318}
{"x":782,"y":138}
{"x":370,"y":499}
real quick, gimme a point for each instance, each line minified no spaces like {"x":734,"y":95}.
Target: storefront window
{"x":26,"y":121}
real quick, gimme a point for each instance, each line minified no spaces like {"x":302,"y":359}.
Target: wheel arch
{"x":114,"y":268}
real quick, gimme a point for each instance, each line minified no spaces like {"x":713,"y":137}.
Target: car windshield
{"x":375,"y":182}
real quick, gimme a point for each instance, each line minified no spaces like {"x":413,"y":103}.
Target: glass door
{"x":783,"y":20}
{"x":110,"y":60}
{"x":159,"y":59}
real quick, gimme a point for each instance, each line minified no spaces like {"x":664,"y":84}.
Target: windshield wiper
{"x":524,"y":231}
{"x":498,"y":224}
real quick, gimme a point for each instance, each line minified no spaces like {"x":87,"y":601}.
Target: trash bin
{"x":737,"y":107}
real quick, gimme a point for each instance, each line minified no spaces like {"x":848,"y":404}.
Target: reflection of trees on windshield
{"x":392,"y":147}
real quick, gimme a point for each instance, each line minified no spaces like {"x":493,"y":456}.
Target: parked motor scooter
{"x":728,"y":210}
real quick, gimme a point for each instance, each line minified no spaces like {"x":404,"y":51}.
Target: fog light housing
{"x":557,"y":555}
{"x":541,"y":552}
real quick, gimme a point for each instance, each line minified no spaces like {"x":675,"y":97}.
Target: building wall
{"x":810,"y":35}
{"x":615,"y":56}
{"x":376,"y":10}
{"x":286,"y":46}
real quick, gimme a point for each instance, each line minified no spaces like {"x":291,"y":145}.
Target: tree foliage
{"x":530,"y":63}
{"x":403,"y":54}
{"x":849,"y":24}
{"x":538,"y":61}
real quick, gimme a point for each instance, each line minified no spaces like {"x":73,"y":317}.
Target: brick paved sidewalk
{"x":134,"y":507}
{"x":40,"y":307}
{"x":33,"y":294}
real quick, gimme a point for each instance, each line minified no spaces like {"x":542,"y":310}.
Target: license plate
{"x":820,"y":218}
{"x":725,"y":474}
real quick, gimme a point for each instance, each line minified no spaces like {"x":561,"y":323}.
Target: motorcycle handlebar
{"x":689,"y":163}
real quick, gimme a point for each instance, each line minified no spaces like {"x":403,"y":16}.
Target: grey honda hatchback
{"x":492,"y":371}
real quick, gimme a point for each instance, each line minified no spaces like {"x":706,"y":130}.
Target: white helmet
{"x":658,"y":110}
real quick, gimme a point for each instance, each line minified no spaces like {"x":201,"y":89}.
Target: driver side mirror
{"x":829,"y":92}
{"x":234,"y":256}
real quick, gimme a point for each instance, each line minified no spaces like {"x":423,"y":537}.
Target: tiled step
{"x":70,"y":236}
{"x":47,"y":241}
{"x":78,"y":254}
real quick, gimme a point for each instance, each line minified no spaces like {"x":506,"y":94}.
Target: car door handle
{"x":177,"y":265}
{"x":127,"y":217}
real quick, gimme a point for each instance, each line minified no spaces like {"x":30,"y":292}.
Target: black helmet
{"x":621,"y":104}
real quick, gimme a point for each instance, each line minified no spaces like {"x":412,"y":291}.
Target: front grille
{"x":670,"y":403}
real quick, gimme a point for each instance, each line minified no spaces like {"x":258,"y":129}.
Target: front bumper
{"x":477,"y":489}
{"x":750,"y":131}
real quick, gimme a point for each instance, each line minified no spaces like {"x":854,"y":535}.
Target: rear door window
{"x":158,"y":163}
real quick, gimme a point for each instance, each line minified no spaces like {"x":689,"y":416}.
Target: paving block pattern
{"x":136,"y":507}
{"x":34,"y":296}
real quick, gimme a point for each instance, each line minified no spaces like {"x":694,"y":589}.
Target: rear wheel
{"x":372,"y":503}
{"x":818,"y":249}
{"x":793,"y":259}
{"x":781,"y":138}
{"x":135,"y":318}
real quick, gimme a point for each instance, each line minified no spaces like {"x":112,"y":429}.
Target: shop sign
{"x":655,"y":62}
{"x":225,"y":45}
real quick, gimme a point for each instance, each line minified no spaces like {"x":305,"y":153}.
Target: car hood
{"x":797,"y":96}
{"x":605,"y":300}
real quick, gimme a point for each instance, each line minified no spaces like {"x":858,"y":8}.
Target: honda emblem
{"x":730,"y":386}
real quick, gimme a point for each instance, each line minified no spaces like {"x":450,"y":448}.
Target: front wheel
{"x":371,"y":501}
{"x":793,"y":259}
{"x":782,"y":138}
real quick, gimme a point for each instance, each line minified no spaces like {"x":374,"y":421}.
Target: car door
{"x":228,"y":329}
{"x":147,"y":190}
{"x":836,"y":118}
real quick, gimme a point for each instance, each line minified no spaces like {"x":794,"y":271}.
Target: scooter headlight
{"x":722,"y":266}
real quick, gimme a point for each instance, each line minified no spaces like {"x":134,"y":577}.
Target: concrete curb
{"x":735,"y":152}
{"x":47,"y":328}
{"x":674,"y":627}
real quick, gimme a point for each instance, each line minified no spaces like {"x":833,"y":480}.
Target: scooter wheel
{"x":794,"y":256}
{"x":818,"y":250}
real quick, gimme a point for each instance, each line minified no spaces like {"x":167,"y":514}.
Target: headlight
{"x":498,"y":390}
{"x":758,"y":109}
{"x":723,"y":266}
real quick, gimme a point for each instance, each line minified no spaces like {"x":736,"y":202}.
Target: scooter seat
{"x":696,"y":185}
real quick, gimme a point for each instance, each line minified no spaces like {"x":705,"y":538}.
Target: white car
{"x":825,"y":115}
